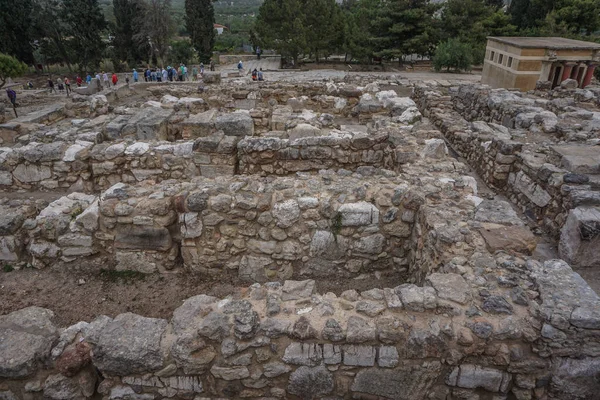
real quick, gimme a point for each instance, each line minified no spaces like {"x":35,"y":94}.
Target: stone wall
{"x":88,"y":167}
{"x":531,"y":182}
{"x":444,"y":340}
{"x":336,"y":150}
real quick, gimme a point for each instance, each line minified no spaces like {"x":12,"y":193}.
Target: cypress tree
{"x":199,"y":20}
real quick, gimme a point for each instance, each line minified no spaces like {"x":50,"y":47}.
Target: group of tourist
{"x":170,"y":74}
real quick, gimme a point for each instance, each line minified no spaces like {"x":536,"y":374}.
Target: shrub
{"x":453,"y":54}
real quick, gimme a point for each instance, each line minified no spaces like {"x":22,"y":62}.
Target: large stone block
{"x":130,"y":344}
{"x":358,"y":214}
{"x":406,"y":382}
{"x":235,"y":124}
{"x":580,"y":237}
{"x":142,"y":238}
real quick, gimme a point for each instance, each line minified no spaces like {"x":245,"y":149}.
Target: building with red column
{"x":520,"y":62}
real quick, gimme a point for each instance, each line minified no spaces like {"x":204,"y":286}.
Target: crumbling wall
{"x":336,"y":150}
{"x":442,"y":340}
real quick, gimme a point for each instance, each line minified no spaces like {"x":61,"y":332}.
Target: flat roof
{"x":554,"y":43}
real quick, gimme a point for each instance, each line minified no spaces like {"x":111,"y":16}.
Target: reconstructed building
{"x":519,"y":62}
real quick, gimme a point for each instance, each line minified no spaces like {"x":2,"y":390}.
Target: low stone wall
{"x":264,"y":229}
{"x":88,"y":167}
{"x":443,"y":340}
{"x":336,"y":150}
{"x":537,"y":187}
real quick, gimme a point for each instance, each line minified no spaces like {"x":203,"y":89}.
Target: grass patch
{"x":8,"y":268}
{"x":127,"y":276}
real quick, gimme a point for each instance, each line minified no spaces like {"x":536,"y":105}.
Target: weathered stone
{"x":310,"y":383}
{"x":497,"y":305}
{"x":230,"y":374}
{"x":388,"y":357}
{"x":310,"y":354}
{"x":130,"y":344}
{"x":362,"y":356}
{"x":296,"y":290}
{"x":274,"y":369}
{"x":359,"y":330}
{"x":411,"y":381}
{"x":450,"y":287}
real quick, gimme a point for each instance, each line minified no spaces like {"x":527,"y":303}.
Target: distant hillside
{"x":222,"y":7}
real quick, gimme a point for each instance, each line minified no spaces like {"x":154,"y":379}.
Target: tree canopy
{"x":10,"y":67}
{"x":199,"y":21}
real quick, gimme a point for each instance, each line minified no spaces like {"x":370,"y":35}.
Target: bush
{"x":453,"y":54}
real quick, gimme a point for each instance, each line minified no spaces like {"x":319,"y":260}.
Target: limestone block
{"x":235,"y":124}
{"x":358,"y":214}
{"x":130,"y":344}
{"x":510,"y":238}
{"x":580,"y":237}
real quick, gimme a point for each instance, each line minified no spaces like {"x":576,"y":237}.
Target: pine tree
{"x":280,"y":26}
{"x":403,"y":27}
{"x":85,"y":23}
{"x":199,"y":20}
{"x":15,"y":32}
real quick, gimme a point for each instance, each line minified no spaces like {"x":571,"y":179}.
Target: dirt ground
{"x":76,"y":294}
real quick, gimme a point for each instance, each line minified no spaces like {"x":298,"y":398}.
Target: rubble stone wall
{"x":343,"y":150}
{"x":287,"y":341}
{"x":535,"y":187}
{"x":88,"y":167}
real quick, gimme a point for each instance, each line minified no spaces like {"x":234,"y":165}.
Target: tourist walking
{"x":135,"y":76}
{"x":79,"y":81}
{"x":212,"y":65}
{"x":195,"y":72}
{"x":51,"y":85}
{"x":67,"y":85}
{"x":61,"y":86}
{"x":240,"y":67}
{"x":88,"y":79}
{"x":115,"y":79}
{"x":105,"y":79}
{"x":12,"y":96}
{"x":258,"y":51}
{"x":165,"y":74}
{"x":201,"y":68}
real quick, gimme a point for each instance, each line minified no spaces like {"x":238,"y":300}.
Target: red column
{"x":568,"y":67}
{"x":589,"y":74}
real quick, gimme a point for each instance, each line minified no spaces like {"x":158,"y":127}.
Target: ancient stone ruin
{"x":447,"y":186}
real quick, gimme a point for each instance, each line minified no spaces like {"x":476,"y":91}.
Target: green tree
{"x":472,"y":21}
{"x":181,"y":52}
{"x":15,"y":32}
{"x":453,"y":54}
{"x":529,"y":13}
{"x":579,"y":16}
{"x":403,"y":27}
{"x":280,"y":26}
{"x":158,"y":28}
{"x":10,"y":67}
{"x":49,"y":26}
{"x":357,"y":40}
{"x":323,"y":26}
{"x":84,"y":23}
{"x":129,"y":21}
{"x":199,"y":22}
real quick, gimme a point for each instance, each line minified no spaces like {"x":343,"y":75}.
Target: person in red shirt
{"x":114,"y":79}
{"x":79,"y":81}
